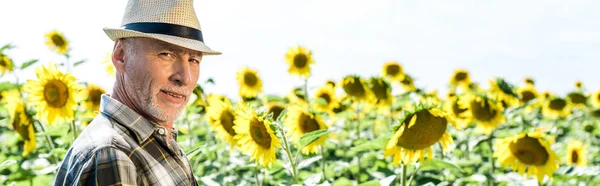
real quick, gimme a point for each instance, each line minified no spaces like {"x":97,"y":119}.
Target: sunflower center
{"x":558,"y":104}
{"x":460,"y":76}
{"x":407,"y":81}
{"x":456,"y":108}
{"x":574,"y":157}
{"x":588,"y":128}
{"x":307,"y":123}
{"x":426,"y":131}
{"x":56,"y":93}
{"x":227,"y":122}
{"x":276,"y":110}
{"x":259,"y":133}
{"x":300,"y":60}
{"x":529,"y":151}
{"x":95,"y":95}
{"x":2,"y":62}
{"x":58,"y":40}
{"x":483,"y":111}
{"x":250,"y":79}
{"x":355,"y":88}
{"x":380,"y":90}
{"x":325,"y":96}
{"x":577,"y":98}
{"x":527,"y":96}
{"x":392,"y":70}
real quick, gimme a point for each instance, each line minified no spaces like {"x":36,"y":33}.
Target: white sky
{"x":555,"y":42}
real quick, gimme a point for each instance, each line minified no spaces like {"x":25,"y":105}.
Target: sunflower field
{"x":380,"y":130}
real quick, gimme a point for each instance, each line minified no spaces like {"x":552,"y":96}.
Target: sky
{"x":555,"y":42}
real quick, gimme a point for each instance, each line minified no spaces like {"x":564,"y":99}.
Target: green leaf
{"x":436,"y":164}
{"x":505,"y":87}
{"x":371,"y":183}
{"x":7,"y":86}
{"x":376,"y":144}
{"x":195,"y":151}
{"x":310,"y":137}
{"x":387,"y":181}
{"x":28,"y":63}
{"x":210,"y":80}
{"x":79,"y":63}
{"x":321,"y":101}
{"x":7,"y":46}
{"x":281,"y":115}
{"x":306,"y":162}
{"x":7,"y":163}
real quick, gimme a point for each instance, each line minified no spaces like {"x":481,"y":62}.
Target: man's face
{"x":161,"y":77}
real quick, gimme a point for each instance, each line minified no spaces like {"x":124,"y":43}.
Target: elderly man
{"x":132,"y":141}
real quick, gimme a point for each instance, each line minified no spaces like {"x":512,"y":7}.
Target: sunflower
{"x":300,"y":122}
{"x":330,"y":83}
{"x":578,"y":84}
{"x":6,"y":64}
{"x":297,"y":97}
{"x":576,"y":153}
{"x":393,"y":70}
{"x":93,"y":94}
{"x":22,"y":123}
{"x":420,"y":129}
{"x":408,"y":83}
{"x":596,"y":98}
{"x":452,"y":107}
{"x":299,"y":59}
{"x":55,"y":94}
{"x":529,"y":81}
{"x":527,"y":151}
{"x":275,"y":109}
{"x":356,"y":88}
{"x":221,"y":118}
{"x":460,"y":78}
{"x":329,"y":100}
{"x":57,"y":42}
{"x":249,"y":82}
{"x":556,"y":107}
{"x":577,"y":99}
{"x":500,"y":90}
{"x":382,"y":92}
{"x":255,"y":136}
{"x":482,"y":110}
{"x":527,"y":93}
{"x":108,"y":66}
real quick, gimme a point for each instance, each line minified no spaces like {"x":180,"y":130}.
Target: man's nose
{"x":182,"y":75}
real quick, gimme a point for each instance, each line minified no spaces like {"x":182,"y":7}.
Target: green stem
{"x":404,"y":175}
{"x":358,"y":137}
{"x":492,"y":166}
{"x":48,"y":140}
{"x":74,"y":129}
{"x":323,"y":162}
{"x":289,"y":154}
{"x":306,"y":96}
{"x":256,"y":174}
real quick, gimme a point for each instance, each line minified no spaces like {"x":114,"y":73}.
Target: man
{"x":132,"y":141}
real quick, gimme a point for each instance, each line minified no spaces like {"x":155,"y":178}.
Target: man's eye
{"x":194,"y":61}
{"x":167,"y":55}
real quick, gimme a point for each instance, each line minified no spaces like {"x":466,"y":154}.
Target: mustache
{"x":181,"y":91}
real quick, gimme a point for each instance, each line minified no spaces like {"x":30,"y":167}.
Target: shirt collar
{"x":142,"y":127}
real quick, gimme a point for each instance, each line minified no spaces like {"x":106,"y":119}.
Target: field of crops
{"x":381,"y":130}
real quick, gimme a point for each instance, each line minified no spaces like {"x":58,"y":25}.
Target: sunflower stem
{"x":306,"y":97}
{"x":491,"y":178}
{"x":323,"y":162}
{"x":289,"y":155}
{"x":256,"y":174}
{"x":48,"y":140}
{"x":404,"y":175}
{"x":74,"y":129}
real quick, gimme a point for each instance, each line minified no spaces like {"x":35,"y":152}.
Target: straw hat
{"x":172,"y":21}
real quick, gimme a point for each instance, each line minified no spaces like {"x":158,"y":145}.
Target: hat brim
{"x":115,"y":34}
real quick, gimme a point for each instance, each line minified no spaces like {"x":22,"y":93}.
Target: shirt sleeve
{"x":108,"y":166}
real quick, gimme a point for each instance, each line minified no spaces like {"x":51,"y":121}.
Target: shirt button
{"x":161,"y":131}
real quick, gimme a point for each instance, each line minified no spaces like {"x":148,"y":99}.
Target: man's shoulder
{"x":102,"y":132}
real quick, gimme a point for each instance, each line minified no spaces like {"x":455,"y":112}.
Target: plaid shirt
{"x":120,"y":147}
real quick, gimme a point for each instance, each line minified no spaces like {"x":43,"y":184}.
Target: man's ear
{"x":118,"y":56}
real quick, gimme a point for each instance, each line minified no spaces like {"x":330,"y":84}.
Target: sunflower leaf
{"x":195,"y":151}
{"x":436,"y":164}
{"x":321,"y":101}
{"x":7,"y":86}
{"x":79,"y":63}
{"x":371,"y":183}
{"x":7,"y":163}
{"x":376,"y":144}
{"x":505,"y":87}
{"x":310,"y":137}
{"x":7,"y":46}
{"x":210,"y":80}
{"x":28,"y":63}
